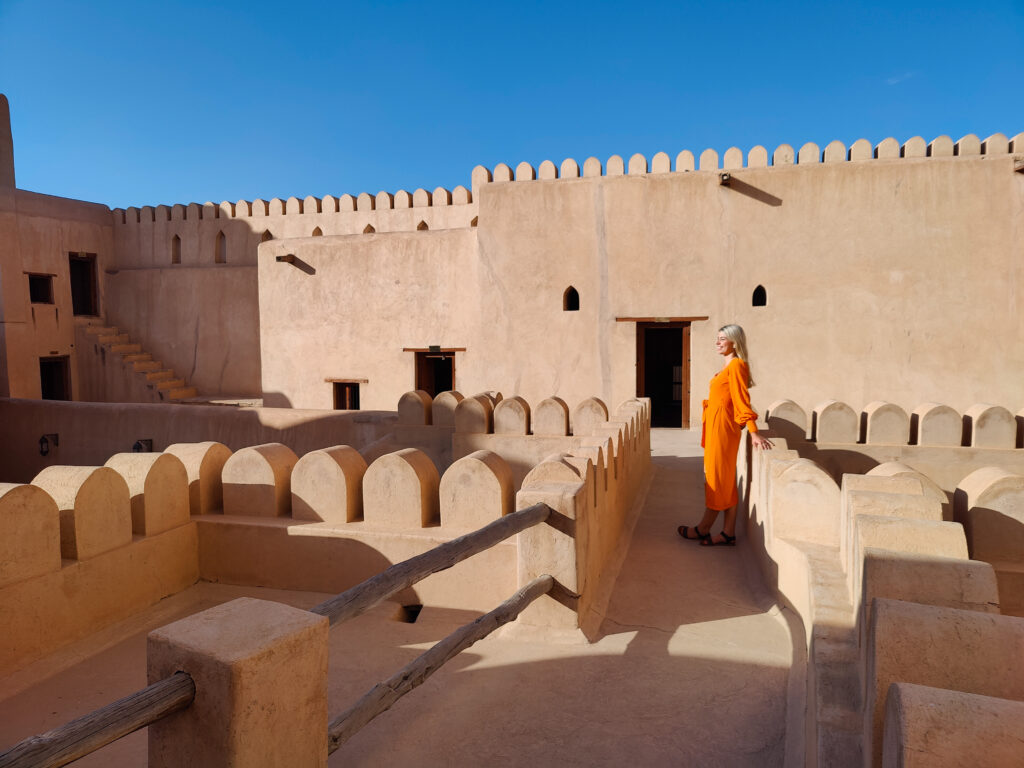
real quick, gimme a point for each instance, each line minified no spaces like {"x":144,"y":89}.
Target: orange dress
{"x":726,"y":410}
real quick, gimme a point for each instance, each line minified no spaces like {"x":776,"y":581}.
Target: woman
{"x":726,"y":411}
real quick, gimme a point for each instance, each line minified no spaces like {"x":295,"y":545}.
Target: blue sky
{"x":143,"y":103}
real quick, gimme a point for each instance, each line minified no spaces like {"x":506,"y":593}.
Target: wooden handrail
{"x":383,"y":695}
{"x":376,"y":590}
{"x":88,"y":733}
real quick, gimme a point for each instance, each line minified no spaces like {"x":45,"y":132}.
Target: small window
{"x":40,"y":289}
{"x":571,"y":300}
{"x":474,"y":221}
{"x":760,"y":298}
{"x":220,"y":255}
{"x":266,"y":236}
{"x":368,"y":229}
{"x":317,"y":232}
{"x":175,"y":250}
{"x":422,"y":226}
{"x":346,"y":396}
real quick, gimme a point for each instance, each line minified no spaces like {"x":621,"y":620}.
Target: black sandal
{"x":729,"y":541}
{"x":683,"y":530}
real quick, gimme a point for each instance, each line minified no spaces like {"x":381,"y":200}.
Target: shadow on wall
{"x":276,"y":400}
{"x":90,"y":433}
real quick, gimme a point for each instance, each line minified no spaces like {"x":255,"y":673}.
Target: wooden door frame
{"x":684,"y":323}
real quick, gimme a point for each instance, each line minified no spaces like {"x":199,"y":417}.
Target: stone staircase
{"x":149,"y":377}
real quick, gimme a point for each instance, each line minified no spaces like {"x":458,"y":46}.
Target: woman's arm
{"x":743,"y":413}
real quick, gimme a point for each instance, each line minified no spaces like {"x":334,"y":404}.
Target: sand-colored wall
{"x":350,"y":306}
{"x":92,"y":432}
{"x":883,"y":277}
{"x":37,"y":232}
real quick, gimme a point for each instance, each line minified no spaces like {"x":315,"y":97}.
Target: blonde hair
{"x":735,"y":334}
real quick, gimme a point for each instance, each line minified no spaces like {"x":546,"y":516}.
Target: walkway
{"x":691,"y":669}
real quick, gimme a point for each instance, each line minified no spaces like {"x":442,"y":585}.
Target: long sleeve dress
{"x":726,"y":411}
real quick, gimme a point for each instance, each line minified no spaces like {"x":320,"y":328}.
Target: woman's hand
{"x":761,"y":442}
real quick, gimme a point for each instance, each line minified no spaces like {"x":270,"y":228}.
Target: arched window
{"x":317,"y":232}
{"x":760,"y":298}
{"x":473,"y":223}
{"x":422,"y":226}
{"x":220,"y":255}
{"x":175,"y":250}
{"x":368,"y":229}
{"x":571,"y":300}
{"x":266,"y":236}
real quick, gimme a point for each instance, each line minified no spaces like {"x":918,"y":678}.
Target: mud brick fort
{"x":216,"y":416}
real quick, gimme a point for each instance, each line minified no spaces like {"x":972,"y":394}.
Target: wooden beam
{"x":383,"y":695}
{"x":660,"y":319}
{"x":88,"y":733}
{"x":427,"y":349}
{"x":376,"y":590}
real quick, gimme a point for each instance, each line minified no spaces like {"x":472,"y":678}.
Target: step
{"x":120,"y":338}
{"x":136,"y":357}
{"x":182,"y":393}
{"x":126,"y":349}
{"x":159,"y":375}
{"x":168,"y":384}
{"x":101,"y":330}
{"x":144,"y":366}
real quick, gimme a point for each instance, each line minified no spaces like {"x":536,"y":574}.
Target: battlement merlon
{"x":709,"y":160}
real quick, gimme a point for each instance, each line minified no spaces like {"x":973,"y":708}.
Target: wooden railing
{"x":80,"y":737}
{"x":85,"y":735}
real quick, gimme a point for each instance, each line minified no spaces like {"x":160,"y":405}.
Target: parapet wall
{"x":733,"y":158}
{"x":228,"y":232}
{"x":937,"y":440}
{"x":882,"y":563}
{"x":84,"y":546}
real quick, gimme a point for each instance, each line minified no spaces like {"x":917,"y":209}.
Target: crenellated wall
{"x":911,"y":540}
{"x":82,"y":547}
{"x":935,"y":439}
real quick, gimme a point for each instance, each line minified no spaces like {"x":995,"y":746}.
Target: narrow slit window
{"x":422,"y":226}
{"x":266,"y":236}
{"x":317,"y":232}
{"x":175,"y":250}
{"x":368,"y":229}
{"x":220,"y":255}
{"x":760,"y":298}
{"x":474,"y":221}
{"x":571,"y":300}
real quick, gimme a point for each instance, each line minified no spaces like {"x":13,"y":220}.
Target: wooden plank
{"x":383,"y":695}
{"x":85,"y":735}
{"x":376,"y":590}
{"x":659,"y":319}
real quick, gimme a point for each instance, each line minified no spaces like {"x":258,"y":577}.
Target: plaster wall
{"x":350,"y":305}
{"x":37,"y":232}
{"x":200,"y":321}
{"x":883,"y":279}
{"x":92,"y":432}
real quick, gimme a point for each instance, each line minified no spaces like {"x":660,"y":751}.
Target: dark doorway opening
{"x":663,"y":371}
{"x":54,"y":381}
{"x":435,"y":371}
{"x":83,"y":283}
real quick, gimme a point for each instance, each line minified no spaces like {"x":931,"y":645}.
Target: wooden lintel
{"x":427,"y":349}
{"x":659,"y":319}
{"x":347,"y":381}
